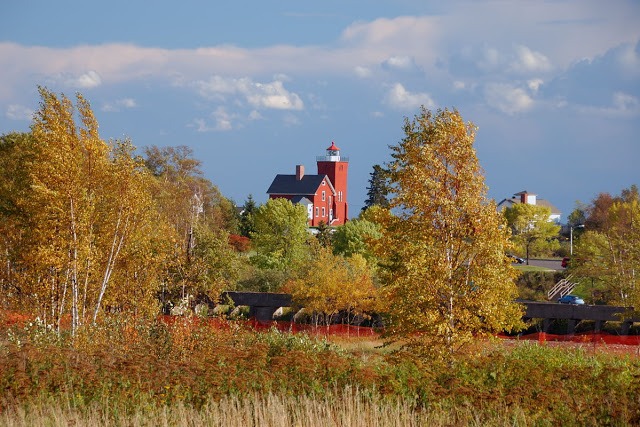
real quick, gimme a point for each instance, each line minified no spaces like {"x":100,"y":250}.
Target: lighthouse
{"x":323,"y":195}
{"x":336,"y":167}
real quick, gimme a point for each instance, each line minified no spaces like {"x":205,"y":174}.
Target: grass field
{"x":135,"y":373}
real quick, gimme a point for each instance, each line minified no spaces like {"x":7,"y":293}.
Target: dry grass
{"x":346,"y":409}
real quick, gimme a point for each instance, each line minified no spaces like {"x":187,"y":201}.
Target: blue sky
{"x":257,"y":87}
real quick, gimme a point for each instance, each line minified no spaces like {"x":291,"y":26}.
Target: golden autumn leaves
{"x":447,"y":276}
{"x":102,"y":230}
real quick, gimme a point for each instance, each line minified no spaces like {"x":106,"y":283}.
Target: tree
{"x":324,"y":234}
{"x":531,"y":228}
{"x":280,"y":234}
{"x":355,"y":237}
{"x":378,"y":189}
{"x":447,"y":278}
{"x":607,"y":256}
{"x":333,"y":284}
{"x":85,"y":205}
{"x":246,"y":217}
{"x":199,"y":222}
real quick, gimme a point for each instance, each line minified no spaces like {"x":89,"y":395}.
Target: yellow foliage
{"x":333,"y":283}
{"x":447,"y":277}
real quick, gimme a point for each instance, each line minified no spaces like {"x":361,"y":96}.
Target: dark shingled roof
{"x":289,"y":185}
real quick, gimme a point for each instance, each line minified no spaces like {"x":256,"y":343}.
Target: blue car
{"x":571,"y":299}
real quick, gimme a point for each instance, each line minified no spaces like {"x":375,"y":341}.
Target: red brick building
{"x":324,"y":195}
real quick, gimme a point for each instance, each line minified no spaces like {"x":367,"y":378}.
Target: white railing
{"x":562,"y":288}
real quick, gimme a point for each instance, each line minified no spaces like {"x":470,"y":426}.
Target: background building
{"x":324,"y":195}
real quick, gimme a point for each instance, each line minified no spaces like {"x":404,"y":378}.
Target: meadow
{"x":128,"y":372}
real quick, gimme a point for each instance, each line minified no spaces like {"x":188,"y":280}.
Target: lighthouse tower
{"x":336,"y":168}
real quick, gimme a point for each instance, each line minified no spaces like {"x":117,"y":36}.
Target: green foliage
{"x":246,"y":217}
{"x":534,"y":285}
{"x":355,"y":237}
{"x":280,"y":235}
{"x":607,"y":253}
{"x":378,"y":189}
{"x":533,"y":232}
{"x":324,"y":234}
{"x":256,"y":279}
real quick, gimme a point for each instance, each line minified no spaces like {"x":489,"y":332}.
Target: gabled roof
{"x":302,"y":200}
{"x":290,"y":186}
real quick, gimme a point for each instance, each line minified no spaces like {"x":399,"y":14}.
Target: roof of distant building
{"x":289,"y":185}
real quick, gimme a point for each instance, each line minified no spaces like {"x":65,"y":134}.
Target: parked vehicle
{"x":565,"y":262}
{"x":516,"y":259}
{"x":571,"y":299}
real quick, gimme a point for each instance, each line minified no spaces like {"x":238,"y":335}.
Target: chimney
{"x":299,"y":172}
{"x":529,"y":199}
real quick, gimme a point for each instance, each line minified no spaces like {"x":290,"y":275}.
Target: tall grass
{"x":349,"y":408}
{"x":129,"y":372}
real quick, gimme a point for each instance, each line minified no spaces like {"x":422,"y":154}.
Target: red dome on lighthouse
{"x":333,"y":147}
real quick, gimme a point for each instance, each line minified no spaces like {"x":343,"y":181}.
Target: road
{"x":551,"y":264}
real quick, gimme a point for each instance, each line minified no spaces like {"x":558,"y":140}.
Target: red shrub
{"x":240,"y":243}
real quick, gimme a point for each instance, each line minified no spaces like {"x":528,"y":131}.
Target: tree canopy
{"x":607,"y":255}
{"x":90,"y":227}
{"x":531,"y":229}
{"x":378,"y":189}
{"x":280,"y":234}
{"x":447,"y":276}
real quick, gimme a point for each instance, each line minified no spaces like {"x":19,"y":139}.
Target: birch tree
{"x":333,"y":284}
{"x":447,"y":277}
{"x":87,"y":199}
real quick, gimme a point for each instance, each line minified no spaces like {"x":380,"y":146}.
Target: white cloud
{"x":274,"y":95}
{"x":271,"y":95}
{"x":290,"y":120}
{"x":88,"y":80}
{"x":529,"y":61}
{"x":507,"y":98}
{"x":201,"y":125}
{"x":399,"y":98}
{"x":490,"y":59}
{"x":402,"y":63}
{"x":119,"y":104}
{"x":629,"y":59}
{"x":459,"y":85}
{"x":534,"y":85}
{"x":255,"y":115}
{"x":362,"y":72}
{"x":18,"y":112}
{"x":223,"y":119}
{"x":625,"y":102}
{"x":622,"y":105}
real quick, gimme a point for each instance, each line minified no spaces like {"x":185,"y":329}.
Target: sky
{"x":255,"y":88}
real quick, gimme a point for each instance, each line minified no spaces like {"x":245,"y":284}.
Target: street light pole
{"x":571,"y":227}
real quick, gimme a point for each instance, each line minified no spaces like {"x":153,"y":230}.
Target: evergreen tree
{"x":246,"y":217}
{"x":324,"y":235}
{"x":378,"y":189}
